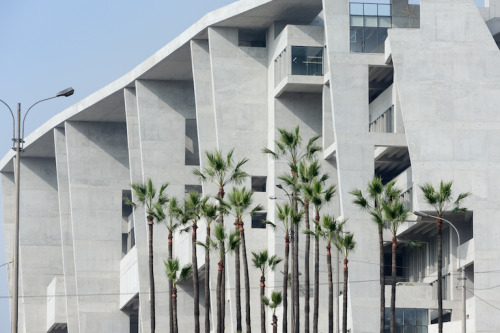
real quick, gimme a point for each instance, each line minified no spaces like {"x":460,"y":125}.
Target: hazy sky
{"x":52,"y":44}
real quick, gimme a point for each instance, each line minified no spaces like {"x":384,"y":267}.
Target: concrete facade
{"x":422,"y":108}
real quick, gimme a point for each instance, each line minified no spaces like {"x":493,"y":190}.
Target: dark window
{"x":307,"y":60}
{"x":259,"y":183}
{"x":191,"y":149}
{"x":192,"y":188}
{"x":258,"y":220}
{"x":252,"y":37}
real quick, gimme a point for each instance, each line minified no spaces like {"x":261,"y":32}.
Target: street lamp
{"x":460,"y":269}
{"x":18,"y":147}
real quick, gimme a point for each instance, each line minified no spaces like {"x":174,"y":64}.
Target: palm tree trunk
{"x":219,"y":292}
{"x":275,"y":324}
{"x":207,"y":282}
{"x":382,"y":278}
{"x":344,"y":311}
{"x":285,"y":283}
{"x":151,"y":275}
{"x":262,"y":309}
{"x":196,"y":287}
{"x":306,"y":269}
{"x":237,"y":283}
{"x":220,"y":194}
{"x":440,"y":273}
{"x":316,"y":278}
{"x":393,"y":285}
{"x":170,"y":286}
{"x":174,"y":309}
{"x":295,"y":275}
{"x":247,"y":280}
{"x":330,"y":288}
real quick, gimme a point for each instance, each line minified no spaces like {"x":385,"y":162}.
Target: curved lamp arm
{"x":13,"y":120}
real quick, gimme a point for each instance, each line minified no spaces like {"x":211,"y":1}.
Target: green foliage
{"x":239,"y":203}
{"x":172,"y":271}
{"x":145,"y":195}
{"x":345,"y":243}
{"x":442,"y":200}
{"x":276,"y":299}
{"x":222,"y":170}
{"x":232,"y":242}
{"x":263,"y":262}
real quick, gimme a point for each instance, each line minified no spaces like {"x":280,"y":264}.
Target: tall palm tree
{"x":395,"y":214}
{"x":233,"y":242}
{"x":328,"y":230}
{"x":147,"y":197}
{"x":288,"y":219}
{"x":377,"y":194}
{"x":209,"y":212}
{"x":345,"y":244}
{"x":240,"y":204}
{"x":441,"y":201}
{"x":193,"y":210}
{"x":263,"y":262}
{"x":273,"y":304}
{"x":221,"y":171}
{"x":318,"y":196}
{"x":174,"y":213}
{"x":172,"y":270}
{"x":289,"y":147}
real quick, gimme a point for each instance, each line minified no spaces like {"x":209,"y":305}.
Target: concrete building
{"x":403,"y":91}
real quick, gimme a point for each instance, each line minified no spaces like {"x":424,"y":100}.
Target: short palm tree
{"x":289,"y":147}
{"x":395,"y":214}
{"x":172,"y":270}
{"x":318,"y":195}
{"x":193,"y":213}
{"x":441,"y":200}
{"x":345,"y":244}
{"x":221,"y":171}
{"x":209,"y":212}
{"x":273,"y":304}
{"x":372,"y":203}
{"x":147,"y":197}
{"x":264,"y":262}
{"x":223,"y":245}
{"x":288,"y":219}
{"x":240,"y":205}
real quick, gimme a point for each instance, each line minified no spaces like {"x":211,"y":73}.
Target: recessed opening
{"x":258,"y":221}
{"x":252,"y":37}
{"x":259,"y":183}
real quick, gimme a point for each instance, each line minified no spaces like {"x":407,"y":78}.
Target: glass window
{"x":356,"y":9}
{"x":370,"y":9}
{"x":384,"y":10}
{"x":259,"y":183}
{"x":307,"y":60}
{"x":252,"y":37}
{"x":356,"y":39}
{"x":381,"y":37}
{"x":370,"y":40}
{"x":421,"y":317}
{"x":357,"y":21}
{"x":410,"y":317}
{"x":258,"y":220}
{"x":371,"y":21}
{"x":399,"y":317}
{"x":384,"y":22}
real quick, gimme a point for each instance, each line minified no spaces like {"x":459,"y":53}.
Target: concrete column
{"x":66,"y":226}
{"x":98,"y":172}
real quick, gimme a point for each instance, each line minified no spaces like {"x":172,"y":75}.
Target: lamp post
{"x":337,"y":288}
{"x":460,"y":269}
{"x":18,"y":146}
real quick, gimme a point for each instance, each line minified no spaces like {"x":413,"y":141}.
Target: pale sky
{"x":52,"y":44}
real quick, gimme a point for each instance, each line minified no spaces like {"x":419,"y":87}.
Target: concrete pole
{"x":15,"y":279}
{"x":464,"y":311}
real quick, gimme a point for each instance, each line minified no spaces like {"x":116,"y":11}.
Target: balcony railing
{"x":407,"y":197}
{"x":383,"y":123}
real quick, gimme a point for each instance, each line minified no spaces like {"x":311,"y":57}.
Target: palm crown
{"x":442,"y":199}
{"x":172,"y":270}
{"x":263,"y":262}
{"x":146,"y":196}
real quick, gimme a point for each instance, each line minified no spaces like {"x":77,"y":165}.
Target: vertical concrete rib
{"x":66,"y":231}
{"x":40,"y":238}
{"x":98,"y":172}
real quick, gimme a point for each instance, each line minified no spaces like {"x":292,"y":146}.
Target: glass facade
{"x":408,"y":320}
{"x":307,"y":60}
{"x":369,"y":23}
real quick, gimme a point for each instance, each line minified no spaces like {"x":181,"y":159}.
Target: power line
{"x":472,"y":292}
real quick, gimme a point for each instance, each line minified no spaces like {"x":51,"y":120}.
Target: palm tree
{"x":239,"y":203}
{"x":377,"y":194}
{"x":172,"y":270}
{"x":232,"y":243}
{"x":345,"y":244}
{"x":289,"y":146}
{"x":395,"y":214}
{"x":288,"y":218}
{"x":147,"y":196}
{"x":273,"y":304}
{"x":329,"y":230}
{"x":221,"y":171}
{"x":209,"y":212}
{"x":174,"y":213}
{"x":263,"y":262}
{"x":441,"y":201}
{"x":193,"y":210}
{"x":318,"y":196}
